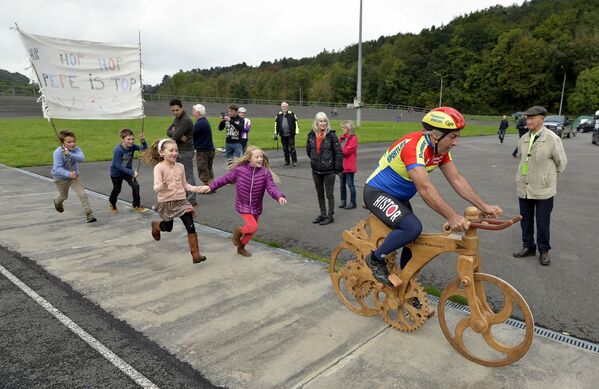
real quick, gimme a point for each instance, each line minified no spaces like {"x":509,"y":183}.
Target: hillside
{"x":493,"y":61}
{"x":9,"y":78}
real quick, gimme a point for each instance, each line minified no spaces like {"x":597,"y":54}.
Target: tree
{"x":585,"y":97}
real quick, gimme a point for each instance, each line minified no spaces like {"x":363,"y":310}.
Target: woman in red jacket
{"x":349,"y":148}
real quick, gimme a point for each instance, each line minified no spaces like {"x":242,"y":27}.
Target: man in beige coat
{"x":542,"y":160}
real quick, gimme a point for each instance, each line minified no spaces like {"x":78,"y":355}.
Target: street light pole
{"x":359,"y":82}
{"x":441,"y":89}
{"x":561,"y":100}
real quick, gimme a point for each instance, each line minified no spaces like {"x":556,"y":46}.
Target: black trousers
{"x":186,"y":218}
{"x":288,"y":143}
{"x":117,"y":183}
{"x":325,"y":185}
{"x":541,"y":209}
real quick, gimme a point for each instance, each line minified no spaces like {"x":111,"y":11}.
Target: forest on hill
{"x":495,"y":61}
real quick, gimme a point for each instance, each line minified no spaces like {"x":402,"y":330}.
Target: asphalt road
{"x":37,"y":350}
{"x":561,"y":296}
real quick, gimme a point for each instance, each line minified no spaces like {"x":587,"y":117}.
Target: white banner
{"x":86,"y":80}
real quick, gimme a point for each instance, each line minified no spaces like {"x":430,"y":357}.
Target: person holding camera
{"x":234,"y":125}
{"x":287,"y":127}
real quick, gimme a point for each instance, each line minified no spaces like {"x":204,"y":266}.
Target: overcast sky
{"x":205,"y":33}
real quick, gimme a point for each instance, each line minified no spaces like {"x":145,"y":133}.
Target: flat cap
{"x":536,"y":110}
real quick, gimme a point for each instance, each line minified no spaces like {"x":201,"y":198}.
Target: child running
{"x":252,"y":175}
{"x":65,"y":172}
{"x":121,"y":169}
{"x":170,"y":185}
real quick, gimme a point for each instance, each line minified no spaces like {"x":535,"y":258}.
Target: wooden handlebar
{"x":488,"y":224}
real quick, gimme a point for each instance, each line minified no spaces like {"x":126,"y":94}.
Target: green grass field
{"x":31,"y":142}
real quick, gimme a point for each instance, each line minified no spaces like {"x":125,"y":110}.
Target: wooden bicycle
{"x":491,"y":300}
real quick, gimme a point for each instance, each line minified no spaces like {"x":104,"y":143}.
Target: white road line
{"x":90,"y":340}
{"x":27,"y":195}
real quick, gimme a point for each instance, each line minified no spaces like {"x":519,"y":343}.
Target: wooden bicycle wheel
{"x":352,"y":280}
{"x":495,"y":351}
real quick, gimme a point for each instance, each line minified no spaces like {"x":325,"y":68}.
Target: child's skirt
{"x":168,"y":210}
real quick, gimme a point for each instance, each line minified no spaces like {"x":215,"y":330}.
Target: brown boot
{"x":237,"y":236}
{"x":194,"y":248}
{"x":156,"y":230}
{"x":242,"y":251}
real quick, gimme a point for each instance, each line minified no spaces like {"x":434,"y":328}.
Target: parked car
{"x":561,"y":125}
{"x":586,"y":125}
{"x":580,"y":120}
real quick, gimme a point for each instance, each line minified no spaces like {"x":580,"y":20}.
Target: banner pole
{"x":143,"y":115}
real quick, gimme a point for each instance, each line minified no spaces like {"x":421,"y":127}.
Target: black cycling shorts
{"x":386,"y":207}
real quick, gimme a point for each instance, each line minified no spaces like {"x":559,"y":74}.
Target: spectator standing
{"x":326,"y":160}
{"x":246,"y":128}
{"x":521,"y":126}
{"x":349,"y":148}
{"x":233,"y":123}
{"x":287,"y":127}
{"x":203,"y":145}
{"x":502,"y":127}
{"x":542,"y":160}
{"x":181,"y":131}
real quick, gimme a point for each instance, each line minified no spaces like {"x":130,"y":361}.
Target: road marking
{"x":90,"y":340}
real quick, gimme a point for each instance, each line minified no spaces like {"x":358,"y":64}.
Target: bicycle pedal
{"x":395,"y":280}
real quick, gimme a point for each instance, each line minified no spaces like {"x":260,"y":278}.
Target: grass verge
{"x":31,"y":142}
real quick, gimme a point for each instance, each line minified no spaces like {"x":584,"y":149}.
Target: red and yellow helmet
{"x":444,"y":119}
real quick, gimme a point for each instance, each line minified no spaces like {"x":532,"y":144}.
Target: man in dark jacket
{"x":326,"y":160}
{"x":234,"y":125}
{"x":521,"y":126}
{"x":287,"y":127}
{"x":202,"y":142}
{"x":502,"y":127}
{"x":181,"y":131}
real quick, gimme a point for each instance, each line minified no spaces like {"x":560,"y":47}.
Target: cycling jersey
{"x":391,"y":174}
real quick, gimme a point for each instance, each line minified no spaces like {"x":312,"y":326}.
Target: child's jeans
{"x":349,"y":179}
{"x":63,"y":192}
{"x":250,"y":227}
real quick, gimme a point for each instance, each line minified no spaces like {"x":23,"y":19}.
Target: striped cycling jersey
{"x":391,"y":174}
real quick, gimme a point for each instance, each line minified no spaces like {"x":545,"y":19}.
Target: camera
{"x":222,"y":115}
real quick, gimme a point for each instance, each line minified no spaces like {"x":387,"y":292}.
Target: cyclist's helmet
{"x":444,"y":119}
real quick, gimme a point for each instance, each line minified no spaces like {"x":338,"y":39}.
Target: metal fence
{"x":32,"y":90}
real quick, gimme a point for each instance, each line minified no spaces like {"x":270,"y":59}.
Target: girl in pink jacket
{"x":252,"y":175}
{"x":170,"y":186}
{"x":349,"y":149}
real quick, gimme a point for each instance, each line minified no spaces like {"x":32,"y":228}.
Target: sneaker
{"x":342,"y":205}
{"x":58,"y":207}
{"x":140,"y":209}
{"x":113,"y":208}
{"x":295,"y":164}
{"x":350,"y":206}
{"x":378,"y":268}
{"x":90,"y":218}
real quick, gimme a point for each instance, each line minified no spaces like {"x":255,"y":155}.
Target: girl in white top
{"x":170,"y":186}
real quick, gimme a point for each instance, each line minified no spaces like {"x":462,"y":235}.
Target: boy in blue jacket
{"x":65,"y":172}
{"x":121,"y":168}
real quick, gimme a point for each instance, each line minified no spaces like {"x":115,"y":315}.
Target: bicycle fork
{"x":467,"y":265}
